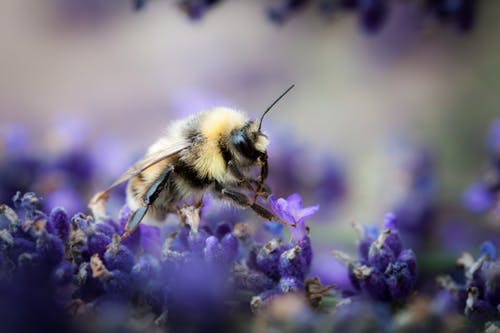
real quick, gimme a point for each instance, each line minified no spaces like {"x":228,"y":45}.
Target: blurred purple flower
{"x":493,"y":138}
{"x":477,"y":292}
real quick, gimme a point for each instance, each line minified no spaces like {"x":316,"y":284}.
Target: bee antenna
{"x":273,"y":104}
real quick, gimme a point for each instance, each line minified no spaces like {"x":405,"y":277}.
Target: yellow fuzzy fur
{"x":216,"y":123}
{"x":221,"y":121}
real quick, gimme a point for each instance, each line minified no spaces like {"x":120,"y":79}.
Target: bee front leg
{"x":149,"y":198}
{"x":244,"y":201}
{"x":262,"y":188}
{"x":239,"y":175}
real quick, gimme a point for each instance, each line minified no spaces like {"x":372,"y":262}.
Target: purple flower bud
{"x":251,"y":259}
{"x":393,"y":241}
{"x":89,"y":286}
{"x":373,"y":14}
{"x":82,"y":221}
{"x":29,"y":261}
{"x":8,"y":217}
{"x":183,"y":236}
{"x":150,"y":239}
{"x":290,"y":284}
{"x":492,"y":275}
{"x":146,"y":269}
{"x":30,"y":202}
{"x":408,"y":257}
{"x":229,"y":246}
{"x":223,"y":229}
{"x":400,"y":281}
{"x":97,"y":243}
{"x":124,"y":215}
{"x":119,"y":284}
{"x":59,"y":221}
{"x":196,"y":240}
{"x":50,"y":248}
{"x":118,"y":257}
{"x":293,"y":264}
{"x":249,"y":279}
{"x":306,"y":250}
{"x":20,"y":246}
{"x":364,"y":248}
{"x":477,"y":309}
{"x":268,"y":258}
{"x":213,"y":251}
{"x":390,"y":221}
{"x":63,"y":273}
{"x":380,"y":255}
{"x":373,"y":283}
{"x":104,"y":228}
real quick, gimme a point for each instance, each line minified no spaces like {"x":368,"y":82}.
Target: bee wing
{"x":140,"y":166}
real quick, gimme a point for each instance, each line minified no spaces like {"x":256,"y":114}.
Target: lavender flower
{"x":477,"y":294}
{"x":372,"y":13}
{"x":290,"y":210}
{"x":385,"y":270}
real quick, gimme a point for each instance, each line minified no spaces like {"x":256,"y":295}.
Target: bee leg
{"x":237,"y":173}
{"x":243,"y":200}
{"x":134,"y":221}
{"x":149,"y":198}
{"x":264,"y":170}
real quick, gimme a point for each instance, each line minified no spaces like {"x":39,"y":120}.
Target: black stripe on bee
{"x":190,"y":175}
{"x":226,"y":154}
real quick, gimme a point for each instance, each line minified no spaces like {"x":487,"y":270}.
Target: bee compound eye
{"x":244,"y":145}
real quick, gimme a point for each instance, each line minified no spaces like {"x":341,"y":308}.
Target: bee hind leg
{"x":149,"y":198}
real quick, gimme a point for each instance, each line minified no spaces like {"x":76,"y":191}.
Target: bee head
{"x":249,"y":141}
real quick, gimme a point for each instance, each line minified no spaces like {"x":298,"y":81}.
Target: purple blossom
{"x":291,"y":212}
{"x":478,"y":198}
{"x":385,"y":271}
{"x":476,"y":293}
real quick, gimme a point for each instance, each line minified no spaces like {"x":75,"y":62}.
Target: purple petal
{"x":294,"y":201}
{"x":307,"y":212}
{"x":300,"y":231}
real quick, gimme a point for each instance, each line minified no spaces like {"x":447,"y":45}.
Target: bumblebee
{"x":213,"y":151}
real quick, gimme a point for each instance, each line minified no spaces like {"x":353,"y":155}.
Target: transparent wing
{"x":141,"y":165}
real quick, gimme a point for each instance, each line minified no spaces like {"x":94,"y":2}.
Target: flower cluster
{"x":477,"y":293}
{"x":373,"y":14}
{"x":483,"y":195}
{"x":385,"y":271}
{"x":200,"y":269}
{"x":280,"y":267}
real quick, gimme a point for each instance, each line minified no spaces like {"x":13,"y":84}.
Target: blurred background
{"x":98,"y":74}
